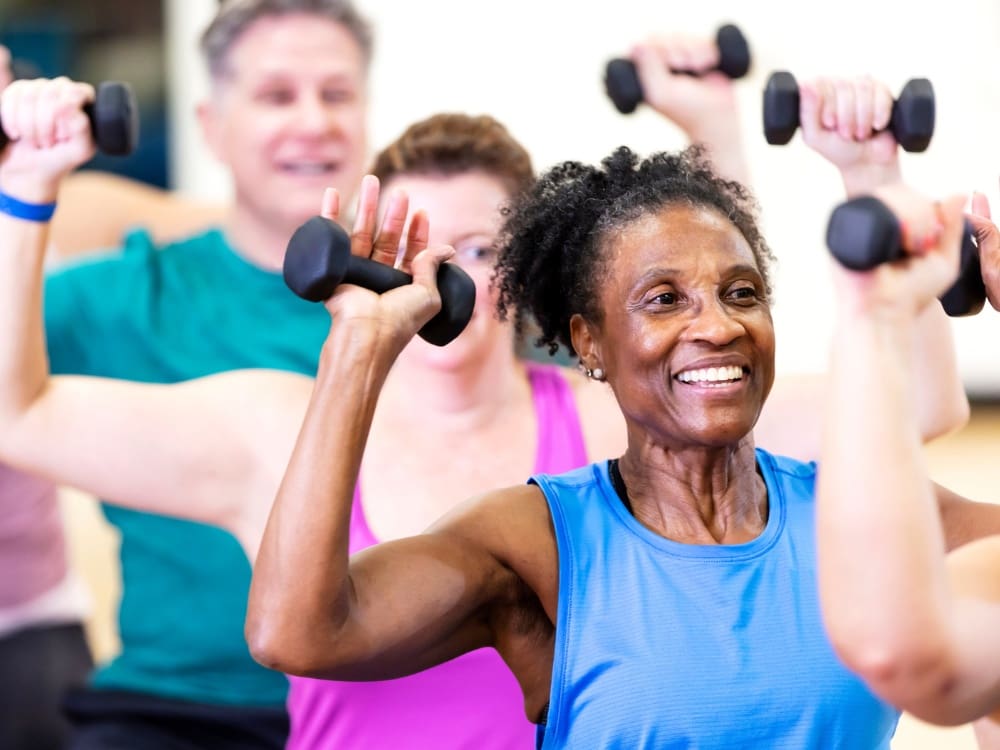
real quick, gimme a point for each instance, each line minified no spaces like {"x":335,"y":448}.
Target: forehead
{"x":679,"y":236}
{"x":295,"y":44}
{"x":457,"y":205}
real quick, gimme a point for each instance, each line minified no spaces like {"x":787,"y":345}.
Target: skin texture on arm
{"x":840,"y":119}
{"x":704,"y":107}
{"x":887,"y":603}
{"x":97,"y":208}
{"x":143,"y":446}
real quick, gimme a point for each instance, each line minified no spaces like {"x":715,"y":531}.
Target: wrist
{"x":30,"y":188}
{"x":864,"y":178}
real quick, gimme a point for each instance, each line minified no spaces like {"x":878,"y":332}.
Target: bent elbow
{"x":918,"y":677}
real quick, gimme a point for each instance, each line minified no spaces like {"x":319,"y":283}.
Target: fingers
{"x":330,"y":204}
{"x":386,"y":246}
{"x":416,"y":239}
{"x":363,"y":233}
{"x":856,"y":109}
{"x":425,"y":266}
{"x":43,"y":113}
{"x":980,"y":205}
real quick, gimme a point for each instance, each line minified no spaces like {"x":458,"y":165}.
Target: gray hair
{"x":236,"y":16}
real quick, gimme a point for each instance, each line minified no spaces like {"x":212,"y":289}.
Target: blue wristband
{"x":27,"y":211}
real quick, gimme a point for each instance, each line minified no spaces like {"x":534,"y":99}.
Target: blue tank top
{"x":667,"y":645}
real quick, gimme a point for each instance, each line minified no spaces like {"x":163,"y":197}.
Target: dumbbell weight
{"x":911,"y":124}
{"x":621,"y":79}
{"x":318,"y":259}
{"x":864,"y":233}
{"x":114,"y":119}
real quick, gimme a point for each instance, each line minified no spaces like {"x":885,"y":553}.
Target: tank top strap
{"x":560,"y":436}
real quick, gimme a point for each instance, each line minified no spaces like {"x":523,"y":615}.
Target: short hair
{"x":235,"y":16}
{"x":552,"y":260}
{"x":451,"y":144}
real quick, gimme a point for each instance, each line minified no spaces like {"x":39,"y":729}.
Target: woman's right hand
{"x":49,"y":136}
{"x":395,"y":316}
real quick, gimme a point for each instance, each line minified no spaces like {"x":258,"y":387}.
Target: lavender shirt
{"x":472,"y":702}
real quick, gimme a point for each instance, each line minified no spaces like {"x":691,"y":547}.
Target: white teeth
{"x":711,"y":375}
{"x":308,"y":168}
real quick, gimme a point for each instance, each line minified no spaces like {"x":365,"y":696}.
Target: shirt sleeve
{"x":86,"y":302}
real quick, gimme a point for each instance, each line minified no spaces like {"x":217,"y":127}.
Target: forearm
{"x":880,"y":547}
{"x":941,"y":404}
{"x":864,"y":177}
{"x":301,"y":592}
{"x":724,"y":144}
{"x":23,"y":361}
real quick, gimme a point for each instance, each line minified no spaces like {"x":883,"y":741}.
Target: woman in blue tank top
{"x":666,"y":599}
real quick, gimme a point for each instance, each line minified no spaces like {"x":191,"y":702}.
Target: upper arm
{"x":97,"y":208}
{"x":209,"y":450}
{"x":423,"y":600}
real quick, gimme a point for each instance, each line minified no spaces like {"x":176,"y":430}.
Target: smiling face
{"x":686,"y":339}
{"x":464,"y":212}
{"x":288,"y":116}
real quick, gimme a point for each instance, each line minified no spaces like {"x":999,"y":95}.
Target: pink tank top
{"x":32,"y":549}
{"x":472,"y":702}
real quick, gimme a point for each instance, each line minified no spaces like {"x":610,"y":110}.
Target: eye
{"x":276,"y":97}
{"x":665,"y":298}
{"x":337,"y":96}
{"x":743,"y":293}
{"x":480,"y":254}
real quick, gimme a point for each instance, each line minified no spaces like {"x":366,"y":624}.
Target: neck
{"x":255,"y":239}
{"x":457,"y":399}
{"x":696,"y":495}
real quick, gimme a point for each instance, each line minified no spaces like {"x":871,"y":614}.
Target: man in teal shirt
{"x":286,"y":115}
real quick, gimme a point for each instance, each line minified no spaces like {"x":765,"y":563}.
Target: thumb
{"x":980,"y":205}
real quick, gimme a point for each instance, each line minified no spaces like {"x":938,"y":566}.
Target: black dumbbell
{"x":319,"y":258}
{"x":114,"y":119}
{"x":621,"y":79}
{"x":912,"y":121}
{"x":864,"y":233}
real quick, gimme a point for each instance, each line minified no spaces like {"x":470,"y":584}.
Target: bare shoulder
{"x":600,"y":417}
{"x":512,"y":525}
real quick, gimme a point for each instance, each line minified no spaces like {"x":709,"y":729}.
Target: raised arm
{"x":840,"y":120}
{"x":704,"y":107}
{"x":889,"y":608}
{"x":178,"y":450}
{"x":400,"y":606}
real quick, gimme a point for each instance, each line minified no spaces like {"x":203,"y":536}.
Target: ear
{"x":207,"y":112}
{"x":585,"y":344}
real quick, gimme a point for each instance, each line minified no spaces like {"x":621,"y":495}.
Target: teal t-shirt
{"x":163,"y":315}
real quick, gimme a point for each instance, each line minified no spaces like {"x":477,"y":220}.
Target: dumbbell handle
{"x":864,"y":233}
{"x":621,"y":78}
{"x":318,"y":260}
{"x":113,"y":119}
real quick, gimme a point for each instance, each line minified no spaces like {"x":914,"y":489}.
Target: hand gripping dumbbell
{"x":621,"y":79}
{"x":864,"y":233}
{"x":911,"y":124}
{"x":114,"y":119}
{"x":319,"y":258}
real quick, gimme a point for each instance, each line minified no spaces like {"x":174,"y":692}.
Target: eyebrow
{"x":733,"y":270}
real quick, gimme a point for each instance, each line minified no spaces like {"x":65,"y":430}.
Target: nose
{"x":713,"y":323}
{"x":313,"y":116}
